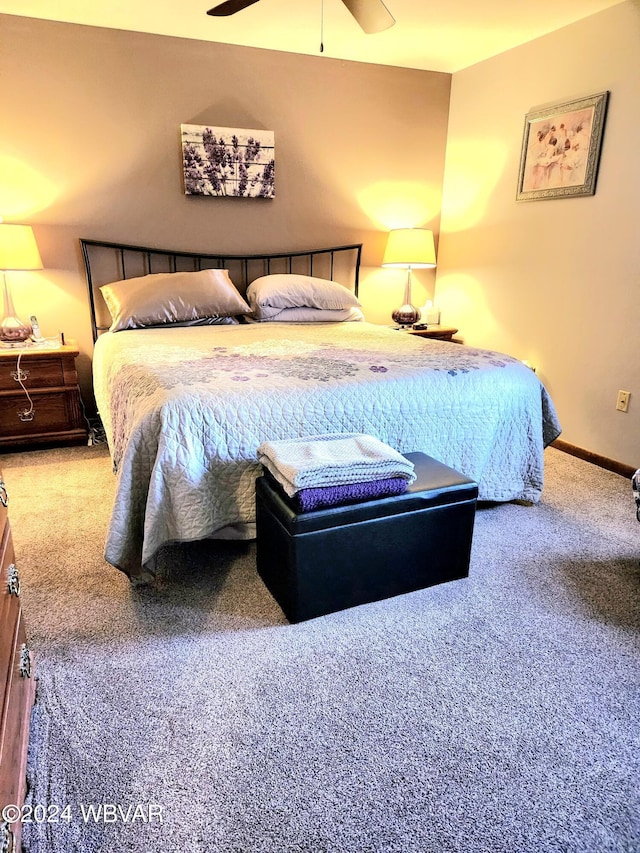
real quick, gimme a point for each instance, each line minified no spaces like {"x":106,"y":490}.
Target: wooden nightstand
{"x":441,"y":333}
{"x":49,"y":376}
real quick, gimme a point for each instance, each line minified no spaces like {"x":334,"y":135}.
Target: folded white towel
{"x":329,"y":460}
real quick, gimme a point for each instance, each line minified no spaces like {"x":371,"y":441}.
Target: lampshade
{"x":18,"y":248}
{"x":410,"y":247}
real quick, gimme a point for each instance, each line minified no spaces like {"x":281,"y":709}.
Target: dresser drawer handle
{"x":7,"y":839}
{"x":19,"y":375}
{"x":25,"y":662}
{"x":4,"y":500}
{"x":13,"y":580}
{"x":25,"y":415}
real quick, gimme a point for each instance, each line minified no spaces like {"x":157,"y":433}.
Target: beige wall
{"x":90,"y":146}
{"x":556,"y":282}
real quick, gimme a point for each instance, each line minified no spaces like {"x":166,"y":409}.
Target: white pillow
{"x":310,"y":315}
{"x":269,"y":294}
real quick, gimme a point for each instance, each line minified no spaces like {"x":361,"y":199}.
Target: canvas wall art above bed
{"x":190,"y":381}
{"x":226,"y":161}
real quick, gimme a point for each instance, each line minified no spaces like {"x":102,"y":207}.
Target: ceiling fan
{"x":372,"y":15}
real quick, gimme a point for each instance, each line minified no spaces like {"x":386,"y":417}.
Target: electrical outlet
{"x":622,"y":403}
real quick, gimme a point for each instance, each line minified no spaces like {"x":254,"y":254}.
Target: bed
{"x":186,"y":402}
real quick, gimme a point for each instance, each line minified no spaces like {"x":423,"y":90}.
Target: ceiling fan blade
{"x":230,"y":7}
{"x":372,"y":15}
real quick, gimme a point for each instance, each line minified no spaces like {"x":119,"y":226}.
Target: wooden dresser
{"x":54,"y":411}
{"x":17,"y":688}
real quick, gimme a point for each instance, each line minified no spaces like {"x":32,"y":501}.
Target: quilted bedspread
{"x":186,"y":408}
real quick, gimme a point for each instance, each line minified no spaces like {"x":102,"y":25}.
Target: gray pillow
{"x":161,"y":299}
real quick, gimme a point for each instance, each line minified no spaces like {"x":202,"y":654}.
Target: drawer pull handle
{"x":4,"y":497}
{"x":25,"y":415}
{"x":19,"y":375}
{"x":13,"y":580}
{"x":25,"y":662}
{"x":7,"y":839}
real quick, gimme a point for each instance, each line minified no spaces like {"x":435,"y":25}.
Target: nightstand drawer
{"x":53,"y":411}
{"x":49,"y":374}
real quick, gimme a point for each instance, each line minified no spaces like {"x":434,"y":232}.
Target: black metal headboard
{"x":107,"y":262}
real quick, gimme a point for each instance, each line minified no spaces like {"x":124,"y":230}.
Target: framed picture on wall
{"x":561,"y":149}
{"x":226,"y":161}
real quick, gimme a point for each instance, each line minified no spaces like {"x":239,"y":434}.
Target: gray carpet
{"x":498,"y":713}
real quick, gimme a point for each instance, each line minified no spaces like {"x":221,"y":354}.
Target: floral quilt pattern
{"x":185,"y":409}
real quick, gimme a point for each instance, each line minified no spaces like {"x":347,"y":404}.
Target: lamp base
{"x":406,"y":315}
{"x":15,"y":344}
{"x":14,"y":331}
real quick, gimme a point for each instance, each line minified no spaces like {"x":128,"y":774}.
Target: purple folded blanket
{"x":318,"y":497}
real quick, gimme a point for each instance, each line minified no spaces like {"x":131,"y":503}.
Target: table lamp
{"x":18,"y":251}
{"x":408,"y":248}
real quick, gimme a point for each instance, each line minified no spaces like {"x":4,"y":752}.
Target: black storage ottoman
{"x":318,"y":562}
